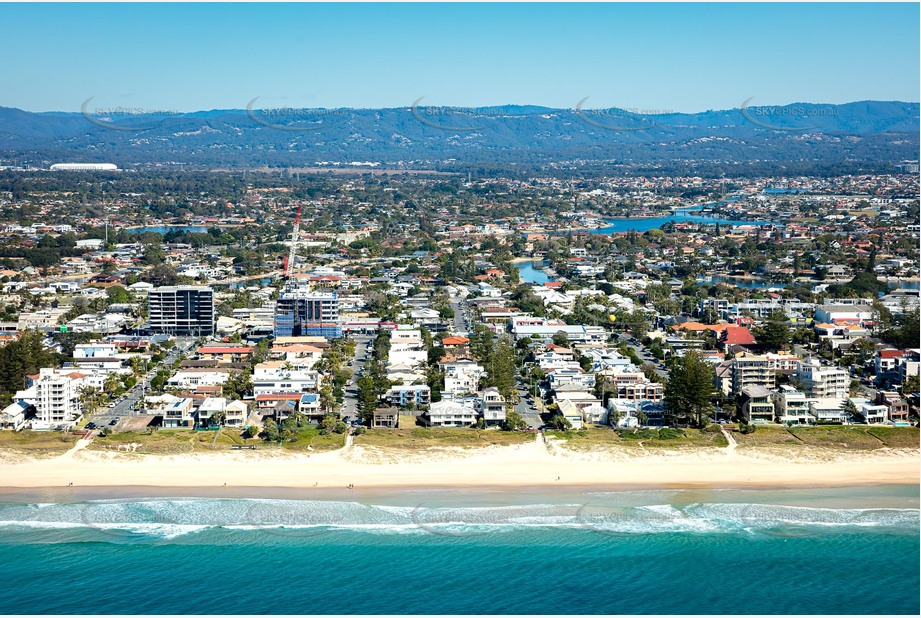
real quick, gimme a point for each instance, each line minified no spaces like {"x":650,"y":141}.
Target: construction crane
{"x":289,"y":261}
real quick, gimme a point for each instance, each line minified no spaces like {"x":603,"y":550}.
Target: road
{"x":356,"y":363}
{"x":126,"y":406}
{"x":644,"y":355}
{"x":531,"y":415}
{"x":462,"y":315}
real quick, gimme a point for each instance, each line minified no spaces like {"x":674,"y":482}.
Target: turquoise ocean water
{"x":848,"y":550}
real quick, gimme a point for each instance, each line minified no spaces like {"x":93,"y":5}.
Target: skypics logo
{"x":784,"y":117}
{"x":294,"y":119}
{"x":619,"y":119}
{"x":125,"y":117}
{"x":440,"y":117}
{"x":467,"y":119}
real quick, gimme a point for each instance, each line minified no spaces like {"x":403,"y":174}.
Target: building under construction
{"x":301,"y":311}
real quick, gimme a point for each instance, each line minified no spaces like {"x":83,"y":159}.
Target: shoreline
{"x":518,"y":468}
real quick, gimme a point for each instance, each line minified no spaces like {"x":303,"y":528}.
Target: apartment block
{"x":181,"y":310}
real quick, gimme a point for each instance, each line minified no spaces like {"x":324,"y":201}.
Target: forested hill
{"x":853,"y":137}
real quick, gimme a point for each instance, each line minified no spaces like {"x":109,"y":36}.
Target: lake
{"x":164,"y":229}
{"x":748,"y":284}
{"x":529,"y":274}
{"x":654,"y":223}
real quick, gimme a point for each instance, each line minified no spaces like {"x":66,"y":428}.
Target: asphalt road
{"x":125,"y":406}
{"x":350,"y":401}
{"x":461,"y":315}
{"x":531,"y":415}
{"x":644,"y":355}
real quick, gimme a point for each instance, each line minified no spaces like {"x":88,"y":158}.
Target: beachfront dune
{"x":557,"y":459}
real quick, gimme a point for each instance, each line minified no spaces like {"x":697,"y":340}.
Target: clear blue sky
{"x":655,"y":57}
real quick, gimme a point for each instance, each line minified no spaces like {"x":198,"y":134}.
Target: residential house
{"x":791,"y":406}
{"x":492,"y":406}
{"x":385,"y":418}
{"x":866,"y":411}
{"x":447,"y":413}
{"x":13,"y":417}
{"x":571,"y":412}
{"x":755,"y":405}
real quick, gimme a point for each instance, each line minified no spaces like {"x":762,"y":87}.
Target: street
{"x":531,"y":415}
{"x":126,"y":406}
{"x":644,"y":355}
{"x":356,"y":363}
{"x":462,"y":315}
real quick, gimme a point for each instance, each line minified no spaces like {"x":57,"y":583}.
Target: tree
{"x":561,"y":339}
{"x":513,"y":422}
{"x":501,"y":368}
{"x":332,"y":424}
{"x":911,"y":385}
{"x":690,"y":388}
{"x":250,"y":431}
{"x":775,"y":333}
{"x":270,"y":430}
{"x":367,"y":397}
{"x":559,"y":422}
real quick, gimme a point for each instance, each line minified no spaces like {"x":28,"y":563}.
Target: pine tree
{"x":690,"y":388}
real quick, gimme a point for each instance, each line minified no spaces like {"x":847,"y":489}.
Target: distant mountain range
{"x":853,"y":137}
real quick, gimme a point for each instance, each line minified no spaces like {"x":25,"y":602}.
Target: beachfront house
{"x":386,"y":418}
{"x":755,"y":405}
{"x":492,"y":406}
{"x":448,"y":413}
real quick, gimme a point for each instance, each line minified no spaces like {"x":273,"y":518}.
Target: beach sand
{"x":526,"y":465}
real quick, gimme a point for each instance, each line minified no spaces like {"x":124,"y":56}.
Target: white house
{"x":492,"y":406}
{"x":461,"y":377}
{"x":284,"y":377}
{"x":13,"y":417}
{"x":449,"y":414}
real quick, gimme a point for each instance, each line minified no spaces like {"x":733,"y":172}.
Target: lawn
{"x":37,"y":443}
{"x":177,"y":441}
{"x":311,"y":437}
{"x":408,"y":436}
{"x":860,"y":437}
{"x":586,"y":439}
{"x":896,"y":437}
{"x":831,"y":436}
{"x":765,"y":435}
{"x":163,"y":441}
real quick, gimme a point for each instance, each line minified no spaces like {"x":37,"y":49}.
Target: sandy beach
{"x":531,"y":464}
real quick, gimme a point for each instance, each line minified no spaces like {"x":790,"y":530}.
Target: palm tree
{"x":89,"y":399}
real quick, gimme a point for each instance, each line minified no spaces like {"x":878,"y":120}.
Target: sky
{"x":653,"y":58}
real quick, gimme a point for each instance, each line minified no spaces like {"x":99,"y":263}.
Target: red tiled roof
{"x":231,"y":350}
{"x":455,"y":341}
{"x":280,"y":397}
{"x":738,"y":335}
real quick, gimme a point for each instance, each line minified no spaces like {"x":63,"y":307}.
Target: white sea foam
{"x":171,"y":518}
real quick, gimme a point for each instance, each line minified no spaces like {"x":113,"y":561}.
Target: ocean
{"x":816,"y":551}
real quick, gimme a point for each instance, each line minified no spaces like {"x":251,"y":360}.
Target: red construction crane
{"x":289,"y":261}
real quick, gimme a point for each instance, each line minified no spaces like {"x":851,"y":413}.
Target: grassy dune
{"x":851,"y":437}
{"x":586,"y":439}
{"x":37,"y":443}
{"x":410,"y":437}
